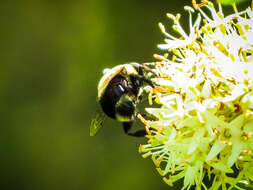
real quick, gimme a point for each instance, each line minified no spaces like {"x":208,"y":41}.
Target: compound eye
{"x":119,"y":90}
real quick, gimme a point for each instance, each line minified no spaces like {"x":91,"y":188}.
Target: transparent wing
{"x":97,"y":123}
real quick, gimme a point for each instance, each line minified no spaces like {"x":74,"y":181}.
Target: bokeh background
{"x":52,"y":55}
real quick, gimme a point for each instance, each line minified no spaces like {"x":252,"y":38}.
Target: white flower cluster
{"x":204,"y":126}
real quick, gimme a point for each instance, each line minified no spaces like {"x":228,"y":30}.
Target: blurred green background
{"x":52,"y":56}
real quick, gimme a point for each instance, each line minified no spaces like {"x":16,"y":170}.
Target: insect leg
{"x":141,"y":79}
{"x":127,"y":126}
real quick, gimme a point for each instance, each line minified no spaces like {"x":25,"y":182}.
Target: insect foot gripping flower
{"x":204,"y":125}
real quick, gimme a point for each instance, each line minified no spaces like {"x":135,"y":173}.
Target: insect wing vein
{"x":97,"y":123}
